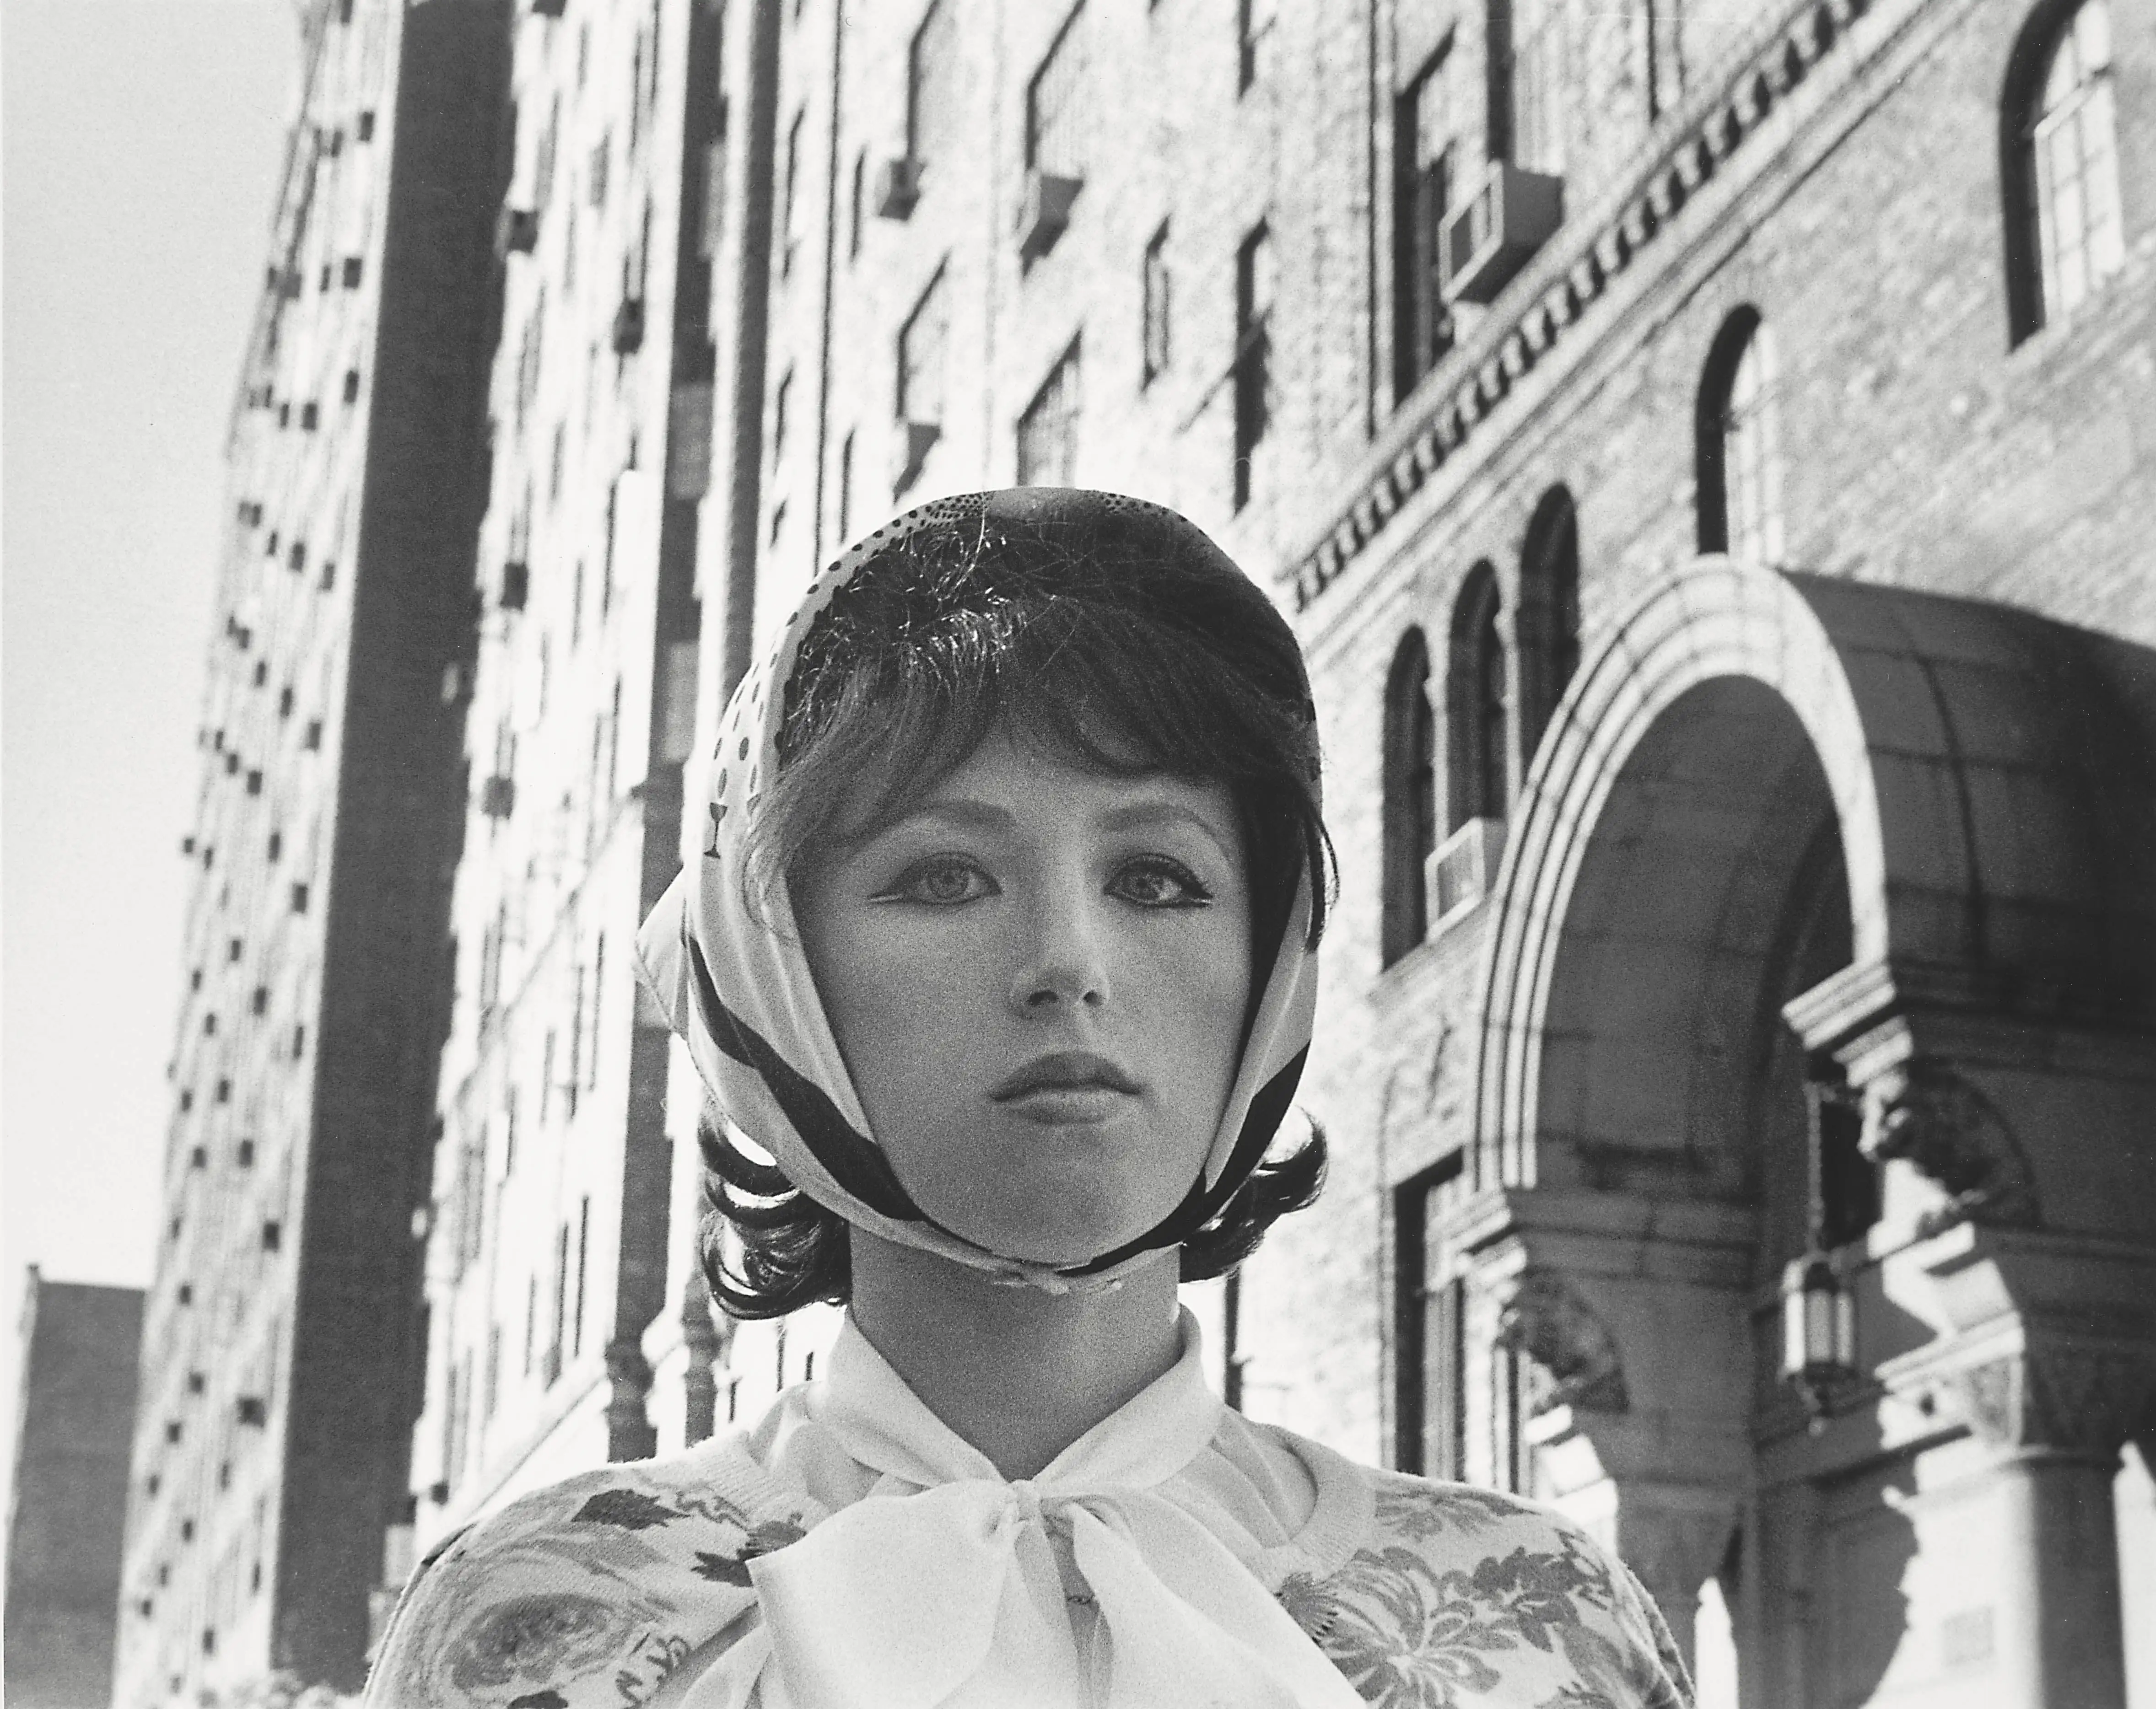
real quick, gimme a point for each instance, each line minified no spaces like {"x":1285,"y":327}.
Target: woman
{"x":1002,"y":947}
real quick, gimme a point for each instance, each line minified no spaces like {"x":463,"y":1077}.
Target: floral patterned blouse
{"x":634,"y":1584}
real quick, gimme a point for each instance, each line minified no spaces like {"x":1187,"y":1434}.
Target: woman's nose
{"x":1062,"y":966}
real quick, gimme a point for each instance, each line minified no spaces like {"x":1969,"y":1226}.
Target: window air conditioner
{"x":516,"y":231}
{"x":548,"y":8}
{"x":914,"y":440}
{"x":1506,"y":217}
{"x":1463,"y":869}
{"x":515,"y":584}
{"x":497,"y":796}
{"x":897,"y":188}
{"x":1043,"y":211}
{"x":628,"y":326}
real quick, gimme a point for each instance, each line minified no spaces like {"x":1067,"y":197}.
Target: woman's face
{"x":1038,"y":978}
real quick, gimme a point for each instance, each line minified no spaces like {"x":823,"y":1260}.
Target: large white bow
{"x":950,"y":1596}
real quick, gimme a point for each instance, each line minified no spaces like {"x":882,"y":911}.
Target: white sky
{"x":140,"y":141}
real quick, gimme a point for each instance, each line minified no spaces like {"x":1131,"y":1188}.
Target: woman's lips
{"x":1066,"y":1089}
{"x":1067,"y":1105}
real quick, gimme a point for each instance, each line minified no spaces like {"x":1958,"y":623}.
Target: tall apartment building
{"x":281,"y":1363}
{"x":1704,"y":450}
{"x":553,"y":1174}
{"x":67,"y":1490}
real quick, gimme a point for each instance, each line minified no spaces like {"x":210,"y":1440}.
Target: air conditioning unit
{"x":1043,"y":211}
{"x":497,"y":796}
{"x":897,"y":188}
{"x":628,"y":326}
{"x":916,"y":438}
{"x":1506,"y":218}
{"x":515,"y":584}
{"x":252,"y":1409}
{"x":516,"y":231}
{"x":1463,"y":869}
{"x":548,"y":8}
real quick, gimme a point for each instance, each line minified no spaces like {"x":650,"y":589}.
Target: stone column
{"x":2048,"y":1363}
{"x":2060,"y":1642}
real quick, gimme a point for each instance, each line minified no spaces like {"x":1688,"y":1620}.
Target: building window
{"x":932,"y":81}
{"x":792,"y":183}
{"x":1530,"y":46}
{"x":1424,"y":161}
{"x":1546,"y":624}
{"x":1429,"y":1434}
{"x":780,"y":402}
{"x":1253,"y":309}
{"x":2065,"y":233}
{"x":1055,"y":117}
{"x":1410,"y":796}
{"x":923,"y":345}
{"x":1475,"y":703}
{"x":846,"y":488}
{"x":1157,"y":307}
{"x":1739,"y":453}
{"x":853,"y":206}
{"x":1254,"y":20}
{"x":1048,"y":431}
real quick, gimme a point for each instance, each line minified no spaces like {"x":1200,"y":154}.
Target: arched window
{"x":1547,"y":622}
{"x":2064,"y":231}
{"x":1410,"y":805}
{"x":1474,"y":703}
{"x":1739,"y":451}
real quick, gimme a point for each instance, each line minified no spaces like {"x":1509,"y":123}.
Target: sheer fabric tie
{"x":942,"y":1589}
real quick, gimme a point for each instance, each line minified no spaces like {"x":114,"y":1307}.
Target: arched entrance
{"x":1785,"y":829}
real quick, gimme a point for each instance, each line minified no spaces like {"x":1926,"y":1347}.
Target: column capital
{"x":2049,"y":1341}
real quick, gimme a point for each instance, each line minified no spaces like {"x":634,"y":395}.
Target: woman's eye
{"x":1160,"y":884}
{"x":943,"y":883}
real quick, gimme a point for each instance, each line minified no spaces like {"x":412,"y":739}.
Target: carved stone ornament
{"x":2088,"y":1400}
{"x":1546,"y":1320}
{"x":1924,"y":1112}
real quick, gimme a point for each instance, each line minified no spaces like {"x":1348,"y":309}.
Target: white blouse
{"x":1138,"y":1567}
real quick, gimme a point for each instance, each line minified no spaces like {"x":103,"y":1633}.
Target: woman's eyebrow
{"x":960,"y":810}
{"x":1140,"y":815}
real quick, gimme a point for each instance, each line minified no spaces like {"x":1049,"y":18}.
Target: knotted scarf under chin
{"x":950,"y":1595}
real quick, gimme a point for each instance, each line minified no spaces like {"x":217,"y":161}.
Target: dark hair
{"x":1135,"y":651}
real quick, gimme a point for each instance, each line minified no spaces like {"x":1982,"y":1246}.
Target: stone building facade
{"x":1704,"y":450}
{"x":67,"y":1490}
{"x":282,"y":1332}
{"x":553,"y":1175}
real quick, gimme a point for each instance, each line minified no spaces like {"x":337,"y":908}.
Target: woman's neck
{"x":1019,"y":1373}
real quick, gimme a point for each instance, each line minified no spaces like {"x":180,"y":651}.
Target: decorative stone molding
{"x":1543,"y":1318}
{"x":1923,"y":1112}
{"x":2084,"y":1400}
{"x":2048,"y":1342}
{"x":1562,"y":286}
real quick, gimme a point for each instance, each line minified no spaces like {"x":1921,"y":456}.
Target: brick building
{"x":1705,"y":451}
{"x":67,"y":1490}
{"x":280,"y":1360}
{"x":1669,"y":881}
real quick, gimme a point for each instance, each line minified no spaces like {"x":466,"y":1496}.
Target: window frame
{"x":1051,"y":408}
{"x":1409,"y":806}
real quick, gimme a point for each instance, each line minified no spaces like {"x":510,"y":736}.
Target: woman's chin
{"x":1059,"y":1246}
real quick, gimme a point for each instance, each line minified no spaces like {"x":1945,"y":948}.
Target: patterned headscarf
{"x":733,"y":979}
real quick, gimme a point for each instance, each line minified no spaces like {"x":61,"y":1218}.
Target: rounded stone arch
{"x":1709,"y":643}
{"x":1989,"y":774}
